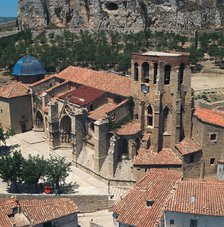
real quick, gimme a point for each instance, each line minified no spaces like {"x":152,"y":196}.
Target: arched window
{"x":66,"y":125}
{"x":167,"y":71}
{"x":136,"y":71}
{"x":65,"y":130}
{"x":181,"y":73}
{"x":155,"y":72}
{"x":149,"y":116}
{"x":166,"y":120}
{"x":145,"y":72}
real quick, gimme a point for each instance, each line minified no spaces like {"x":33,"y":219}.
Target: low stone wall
{"x":92,"y":224}
{"x":109,"y":181}
{"x":85,"y":203}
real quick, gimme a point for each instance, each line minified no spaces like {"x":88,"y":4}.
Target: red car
{"x":48,"y":189}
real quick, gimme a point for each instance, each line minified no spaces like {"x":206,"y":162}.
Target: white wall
{"x":183,"y":220}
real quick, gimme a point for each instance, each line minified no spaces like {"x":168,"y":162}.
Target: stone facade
{"x":165,"y":110}
{"x":80,"y":128}
{"x":210,"y":136}
{"x":16,"y":113}
{"x":108,"y":133}
{"x":118,"y":128}
{"x":120,"y":15}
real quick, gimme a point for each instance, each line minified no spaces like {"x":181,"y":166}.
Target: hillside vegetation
{"x":7,"y":19}
{"x":104,"y":50}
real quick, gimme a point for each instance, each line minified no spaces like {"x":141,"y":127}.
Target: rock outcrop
{"x":121,"y":15}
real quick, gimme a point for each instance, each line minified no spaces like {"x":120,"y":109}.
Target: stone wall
{"x":21,"y":113}
{"x":5,"y":120}
{"x":212,"y":149}
{"x":16,"y":111}
{"x":120,"y":15}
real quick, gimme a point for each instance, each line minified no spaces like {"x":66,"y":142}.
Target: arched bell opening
{"x":145,"y":72}
{"x":167,"y":72}
{"x":136,"y":71}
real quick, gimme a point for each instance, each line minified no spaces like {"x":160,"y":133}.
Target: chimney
{"x":149,"y":203}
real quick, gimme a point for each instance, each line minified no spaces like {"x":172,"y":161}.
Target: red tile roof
{"x":164,"y":157}
{"x":102,"y":111}
{"x":102,"y":80}
{"x":13,"y":89}
{"x":214,"y":117}
{"x":155,"y":186}
{"x":208,"y":197}
{"x":4,"y":220}
{"x":82,"y":95}
{"x":188,"y":146}
{"x":131,"y":128}
{"x":105,"y":110}
{"x":39,"y":210}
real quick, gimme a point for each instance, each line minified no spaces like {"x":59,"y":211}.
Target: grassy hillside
{"x":7,"y":19}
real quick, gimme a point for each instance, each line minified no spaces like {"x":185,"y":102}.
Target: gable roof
{"x":82,"y":95}
{"x":188,"y":146}
{"x":148,"y":157}
{"x":102,"y":80}
{"x":38,"y":210}
{"x":13,"y":89}
{"x":214,"y":117}
{"x":130,"y":128}
{"x":208,"y":197}
{"x":155,"y":186}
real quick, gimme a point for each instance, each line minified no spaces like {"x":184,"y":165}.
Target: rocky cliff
{"x":121,"y":15}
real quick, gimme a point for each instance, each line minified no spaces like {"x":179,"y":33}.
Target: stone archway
{"x":39,"y":121}
{"x":65,"y":130}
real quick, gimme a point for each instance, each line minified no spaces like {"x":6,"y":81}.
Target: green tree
{"x":11,"y":169}
{"x":57,"y":170}
{"x":33,"y":169}
{"x":5,"y":135}
{"x":195,"y":54}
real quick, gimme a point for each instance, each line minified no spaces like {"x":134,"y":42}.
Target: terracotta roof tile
{"x":82,"y":95}
{"x":4,"y":220}
{"x":155,"y":186}
{"x":214,"y":117}
{"x":105,"y":110}
{"x":131,"y":128}
{"x":208,"y":197}
{"x":13,"y":89}
{"x":40,"y":210}
{"x":188,"y":146}
{"x":106,"y":81}
{"x":102,"y":111}
{"x":164,"y":157}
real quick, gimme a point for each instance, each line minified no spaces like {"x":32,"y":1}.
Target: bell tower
{"x":161,"y":88}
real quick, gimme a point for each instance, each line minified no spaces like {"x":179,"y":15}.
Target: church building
{"x":115,"y":127}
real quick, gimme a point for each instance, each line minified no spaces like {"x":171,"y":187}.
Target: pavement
{"x":32,"y":143}
{"x":103,"y":218}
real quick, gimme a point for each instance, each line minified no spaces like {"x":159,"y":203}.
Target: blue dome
{"x":28,"y":66}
